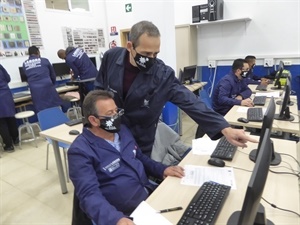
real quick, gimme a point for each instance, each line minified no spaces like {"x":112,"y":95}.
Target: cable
{"x":291,"y":157}
{"x":238,"y":168}
{"x":297,"y":175}
{"x":274,"y":206}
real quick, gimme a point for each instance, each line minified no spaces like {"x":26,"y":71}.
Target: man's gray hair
{"x":140,"y":28}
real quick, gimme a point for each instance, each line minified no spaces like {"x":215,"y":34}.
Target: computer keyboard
{"x":255,"y":114}
{"x":224,"y":150}
{"x":259,"y":100}
{"x":261,"y":87}
{"x":74,"y":122}
{"x":205,"y":205}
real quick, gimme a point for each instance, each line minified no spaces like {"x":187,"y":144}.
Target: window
{"x":69,"y":5}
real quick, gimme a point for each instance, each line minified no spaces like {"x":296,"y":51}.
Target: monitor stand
{"x":275,"y":160}
{"x":286,"y":116}
{"x":260,"y":218}
{"x":279,"y":102}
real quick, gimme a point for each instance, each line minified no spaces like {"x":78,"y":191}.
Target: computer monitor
{"x":61,"y":69}
{"x":252,"y":211}
{"x":93,"y":59}
{"x":180,"y":76}
{"x":284,"y":112}
{"x":189,"y":74}
{"x":277,"y":84}
{"x":267,"y":124}
{"x":22,"y":75}
{"x":288,"y":82}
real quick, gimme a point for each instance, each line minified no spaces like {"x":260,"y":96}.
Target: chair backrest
{"x":51,"y":117}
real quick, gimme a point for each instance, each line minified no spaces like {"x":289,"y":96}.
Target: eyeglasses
{"x":118,"y":112}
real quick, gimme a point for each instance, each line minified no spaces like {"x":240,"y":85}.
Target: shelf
{"x":244,"y":19}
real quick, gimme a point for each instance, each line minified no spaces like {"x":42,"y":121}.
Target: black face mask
{"x":144,"y":63}
{"x":111,"y":125}
{"x":244,"y":74}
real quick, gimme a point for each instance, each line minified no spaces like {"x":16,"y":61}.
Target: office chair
{"x":207,"y":100}
{"x":49,"y":118}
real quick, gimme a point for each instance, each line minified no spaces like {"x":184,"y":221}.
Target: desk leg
{"x":59,"y":166}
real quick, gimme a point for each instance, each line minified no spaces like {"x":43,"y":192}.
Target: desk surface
{"x":61,"y":89}
{"x":171,"y":193}
{"x":195,"y":86}
{"x":253,"y":88}
{"x":278,"y":125}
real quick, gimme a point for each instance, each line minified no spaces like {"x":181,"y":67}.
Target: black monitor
{"x":189,"y":74}
{"x":288,"y":82}
{"x":277,"y":83}
{"x":61,"y":69}
{"x":252,"y":211}
{"x":284,"y":112}
{"x":93,"y":59}
{"x":22,"y":75}
{"x":267,"y":124}
{"x":180,"y":76}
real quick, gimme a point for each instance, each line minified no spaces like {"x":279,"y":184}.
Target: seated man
{"x":108,"y":169}
{"x":251,"y":78}
{"x":232,"y":89}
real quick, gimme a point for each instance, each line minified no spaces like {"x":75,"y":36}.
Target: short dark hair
{"x":250,"y":58}
{"x":140,"y":28}
{"x":89,"y":103}
{"x":33,"y":50}
{"x":238,"y":64}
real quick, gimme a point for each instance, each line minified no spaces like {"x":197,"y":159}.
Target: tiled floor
{"x":30,"y":194}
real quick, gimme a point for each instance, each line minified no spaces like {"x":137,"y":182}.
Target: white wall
{"x":51,"y":23}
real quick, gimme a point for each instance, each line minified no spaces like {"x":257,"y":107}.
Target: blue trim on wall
{"x":208,"y":74}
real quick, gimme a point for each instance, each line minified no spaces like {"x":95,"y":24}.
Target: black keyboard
{"x":224,"y":150}
{"x":205,"y":205}
{"x":259,"y":100}
{"x":255,"y":114}
{"x":74,"y":122}
{"x":261,"y":87}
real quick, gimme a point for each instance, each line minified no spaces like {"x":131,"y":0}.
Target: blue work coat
{"x":147,"y":96}
{"x":80,"y":64}
{"x":7,"y":105}
{"x":41,"y":79}
{"x":110,"y":184}
{"x":227,"y":89}
{"x":251,"y":78}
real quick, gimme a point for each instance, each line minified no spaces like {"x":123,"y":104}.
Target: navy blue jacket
{"x":147,"y":96}
{"x":41,"y":79}
{"x":251,"y":78}
{"x":110,"y":184}
{"x":227,"y":89}
{"x":80,"y":64}
{"x":7,"y":105}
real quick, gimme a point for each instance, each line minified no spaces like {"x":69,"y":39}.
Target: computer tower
{"x":196,"y":14}
{"x":203,"y":12}
{"x":215,"y":10}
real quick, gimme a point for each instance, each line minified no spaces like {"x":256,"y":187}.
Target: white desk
{"x":253,"y":88}
{"x":281,"y":190}
{"x":61,"y":134}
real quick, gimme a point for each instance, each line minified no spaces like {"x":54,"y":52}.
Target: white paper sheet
{"x":197,"y":175}
{"x":275,"y":94}
{"x":203,"y":146}
{"x":144,"y":214}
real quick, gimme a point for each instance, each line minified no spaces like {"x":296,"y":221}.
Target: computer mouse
{"x":74,"y":132}
{"x":243,"y":120}
{"x":216,"y":162}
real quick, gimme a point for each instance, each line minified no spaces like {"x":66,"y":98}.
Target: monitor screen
{"x":284,"y":112}
{"x":277,"y":84}
{"x":22,"y":74}
{"x":189,"y":74}
{"x":267,"y":124}
{"x":61,"y":69}
{"x":252,"y":211}
{"x":180,"y":76}
{"x":288,"y":82}
{"x":93,"y":59}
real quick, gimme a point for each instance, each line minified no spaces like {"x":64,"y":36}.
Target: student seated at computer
{"x":232,"y":89}
{"x":108,"y":169}
{"x":251,"y":78}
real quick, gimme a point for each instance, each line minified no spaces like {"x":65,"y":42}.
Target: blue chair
{"x":49,"y":118}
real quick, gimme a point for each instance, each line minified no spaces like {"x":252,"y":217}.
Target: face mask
{"x":244,"y":74}
{"x":111,"y":125}
{"x":144,"y":63}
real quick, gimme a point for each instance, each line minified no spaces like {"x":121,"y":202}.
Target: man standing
{"x":232,"y":89}
{"x":81,"y":65}
{"x":41,"y":79}
{"x":8,"y":123}
{"x":143,"y":84}
{"x":107,"y":168}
